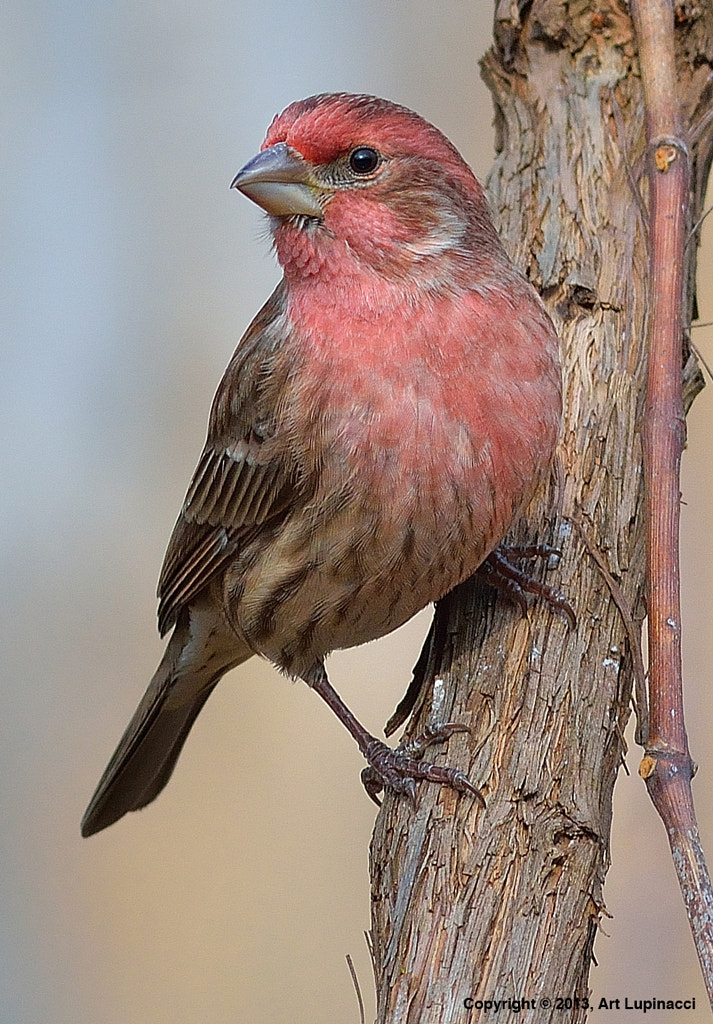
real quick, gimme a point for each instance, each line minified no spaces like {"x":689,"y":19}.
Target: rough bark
{"x":504,"y":902}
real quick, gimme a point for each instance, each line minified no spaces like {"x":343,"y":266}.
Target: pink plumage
{"x":390,"y":409}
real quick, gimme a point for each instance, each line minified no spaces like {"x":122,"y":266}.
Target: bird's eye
{"x":363,"y":160}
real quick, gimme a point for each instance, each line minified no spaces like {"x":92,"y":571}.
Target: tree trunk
{"x":503,"y":902}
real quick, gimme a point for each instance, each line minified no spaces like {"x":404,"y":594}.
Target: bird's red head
{"x":324,"y":127}
{"x":388,"y":188}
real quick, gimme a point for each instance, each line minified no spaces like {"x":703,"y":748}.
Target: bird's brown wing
{"x":245,"y":477}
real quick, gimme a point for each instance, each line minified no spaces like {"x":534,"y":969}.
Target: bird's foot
{"x":400,"y":769}
{"x":498,"y":571}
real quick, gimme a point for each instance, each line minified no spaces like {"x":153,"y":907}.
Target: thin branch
{"x":641,"y":708}
{"x":667,"y":766}
{"x":633,"y":183}
{"x":694,"y":229}
{"x":699,"y":356}
{"x":355,"y":982}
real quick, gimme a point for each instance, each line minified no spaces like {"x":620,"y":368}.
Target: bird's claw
{"x":431,"y":734}
{"x":399,"y":769}
{"x":498,"y":572}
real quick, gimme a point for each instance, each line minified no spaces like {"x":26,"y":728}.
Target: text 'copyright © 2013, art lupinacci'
{"x":605,"y":1003}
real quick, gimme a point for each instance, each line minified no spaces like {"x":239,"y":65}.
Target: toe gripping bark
{"x":499,"y":572}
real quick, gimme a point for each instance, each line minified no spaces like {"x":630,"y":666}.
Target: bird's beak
{"x":279,"y":179}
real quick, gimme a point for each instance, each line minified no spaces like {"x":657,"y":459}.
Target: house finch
{"x":390,"y":409}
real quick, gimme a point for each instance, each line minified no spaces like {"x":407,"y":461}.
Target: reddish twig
{"x":667,"y":766}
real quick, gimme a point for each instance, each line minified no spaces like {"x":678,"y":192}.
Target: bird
{"x":393,"y":406}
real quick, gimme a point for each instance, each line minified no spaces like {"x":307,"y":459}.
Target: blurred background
{"x":130,"y":272}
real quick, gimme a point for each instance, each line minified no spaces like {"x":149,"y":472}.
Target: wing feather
{"x":248,"y":473}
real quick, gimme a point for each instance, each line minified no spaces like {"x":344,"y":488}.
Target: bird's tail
{"x":147,"y":752}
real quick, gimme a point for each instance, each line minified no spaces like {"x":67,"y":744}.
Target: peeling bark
{"x":505,"y":902}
